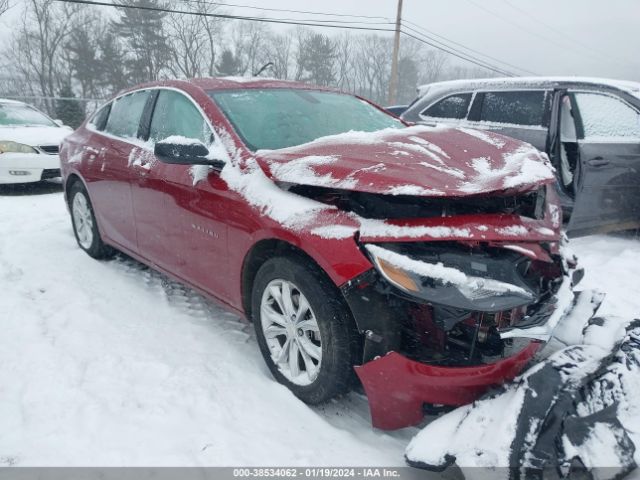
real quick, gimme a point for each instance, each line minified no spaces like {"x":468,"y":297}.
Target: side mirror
{"x":183,"y":151}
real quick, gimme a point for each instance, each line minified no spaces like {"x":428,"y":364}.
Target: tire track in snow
{"x":183,"y":298}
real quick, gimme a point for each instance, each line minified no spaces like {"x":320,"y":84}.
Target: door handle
{"x":598,"y":162}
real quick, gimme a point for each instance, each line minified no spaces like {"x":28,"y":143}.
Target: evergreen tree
{"x":71,"y":112}
{"x":83,"y":60}
{"x":316,"y":59}
{"x":229,"y":65}
{"x":112,"y":73}
{"x":145,"y":39}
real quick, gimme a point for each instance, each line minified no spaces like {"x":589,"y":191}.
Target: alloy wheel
{"x":82,"y":220}
{"x":291,"y":331}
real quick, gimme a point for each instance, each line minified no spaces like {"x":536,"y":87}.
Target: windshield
{"x":16,"y":115}
{"x":280,"y":118}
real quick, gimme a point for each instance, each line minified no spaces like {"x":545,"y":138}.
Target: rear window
{"x":454,"y":106}
{"x":20,"y":115}
{"x":519,"y":108}
{"x":124,"y":119}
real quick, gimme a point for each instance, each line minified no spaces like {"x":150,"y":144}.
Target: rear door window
{"x":124,"y":119}
{"x":175,"y":114}
{"x":513,"y":107}
{"x":453,"y":107}
{"x":604,"y":117}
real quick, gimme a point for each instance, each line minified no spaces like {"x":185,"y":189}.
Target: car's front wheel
{"x":84,"y":223}
{"x":304,"y":331}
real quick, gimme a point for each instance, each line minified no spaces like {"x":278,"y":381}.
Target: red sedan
{"x":428,"y":258}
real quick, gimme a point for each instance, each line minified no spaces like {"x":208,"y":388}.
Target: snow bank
{"x":579,"y":402}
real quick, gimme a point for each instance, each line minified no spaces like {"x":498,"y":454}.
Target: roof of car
{"x":508,"y":82}
{"x":230,"y":83}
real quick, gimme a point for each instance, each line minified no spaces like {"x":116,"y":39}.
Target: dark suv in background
{"x":590,"y":128}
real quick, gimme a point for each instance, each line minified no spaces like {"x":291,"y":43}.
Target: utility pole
{"x":393,"y":83}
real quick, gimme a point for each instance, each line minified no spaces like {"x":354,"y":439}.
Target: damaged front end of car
{"x":469,"y":274}
{"x":442,"y":321}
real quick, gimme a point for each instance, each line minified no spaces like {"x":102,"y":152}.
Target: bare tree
{"x":37,"y":46}
{"x":4,"y":6}
{"x":434,"y":63}
{"x":344,"y":63}
{"x":372,"y":67}
{"x":214,"y":29}
{"x":456,"y":71}
{"x":278,"y":50}
{"x":193,"y":40}
{"x":247,"y":43}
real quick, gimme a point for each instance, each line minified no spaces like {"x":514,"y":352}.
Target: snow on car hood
{"x":35,"y":136}
{"x":420,"y":160}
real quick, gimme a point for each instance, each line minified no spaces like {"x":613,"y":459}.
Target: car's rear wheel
{"x":84,"y":223}
{"x":304,"y":331}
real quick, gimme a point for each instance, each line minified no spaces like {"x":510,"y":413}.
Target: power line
{"x":458,"y":55}
{"x":266,"y":9}
{"x":302,"y":22}
{"x":494,"y":14}
{"x":559,"y":32}
{"x":430,"y":35}
{"x":442,"y":44}
{"x":531,"y":32}
{"x":228,"y":16}
{"x":205,"y":2}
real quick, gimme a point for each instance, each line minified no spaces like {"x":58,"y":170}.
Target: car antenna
{"x":264,"y":67}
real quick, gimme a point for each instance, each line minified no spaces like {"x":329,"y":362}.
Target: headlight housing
{"x":454,"y":279}
{"x":7,"y":146}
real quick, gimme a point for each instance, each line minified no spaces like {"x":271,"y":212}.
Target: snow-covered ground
{"x":110,"y":363}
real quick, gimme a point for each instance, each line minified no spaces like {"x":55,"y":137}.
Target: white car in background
{"x":29,"y":143}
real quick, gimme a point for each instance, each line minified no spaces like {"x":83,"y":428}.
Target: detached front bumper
{"x":28,"y":167}
{"x":398,"y":388}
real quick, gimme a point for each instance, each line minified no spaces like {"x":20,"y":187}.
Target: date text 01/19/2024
{"x":319,"y":472}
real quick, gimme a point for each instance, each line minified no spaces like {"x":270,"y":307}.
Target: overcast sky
{"x":548,"y":37}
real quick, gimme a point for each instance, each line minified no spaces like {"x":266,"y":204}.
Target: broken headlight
{"x":479,"y":283}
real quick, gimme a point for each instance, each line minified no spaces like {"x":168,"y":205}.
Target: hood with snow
{"x":419,"y":160}
{"x":34,"y":136}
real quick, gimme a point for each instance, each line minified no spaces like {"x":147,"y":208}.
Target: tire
{"x":85,"y":226}
{"x":333,"y":334}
